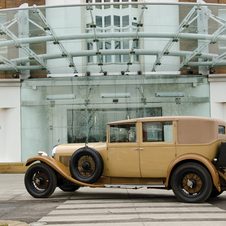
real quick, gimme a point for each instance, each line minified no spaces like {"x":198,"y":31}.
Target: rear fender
{"x":199,"y":159}
{"x":60,"y":168}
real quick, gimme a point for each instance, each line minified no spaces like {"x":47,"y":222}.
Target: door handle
{"x":135,"y":149}
{"x":141,"y":148}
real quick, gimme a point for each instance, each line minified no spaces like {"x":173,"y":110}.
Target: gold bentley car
{"x":185,"y":154}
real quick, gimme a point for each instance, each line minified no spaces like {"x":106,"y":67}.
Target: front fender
{"x":197,"y":158}
{"x":60,"y":168}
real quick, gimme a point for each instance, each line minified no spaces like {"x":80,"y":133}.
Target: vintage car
{"x":185,"y":154}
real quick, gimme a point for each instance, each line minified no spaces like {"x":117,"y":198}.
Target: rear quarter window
{"x":221,"y":129}
{"x":158,"y":132}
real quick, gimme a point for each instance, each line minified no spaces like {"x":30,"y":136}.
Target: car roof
{"x":165,"y":118}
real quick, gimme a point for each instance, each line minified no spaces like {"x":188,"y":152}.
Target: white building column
{"x":218,"y":96}
{"x":10,"y":142}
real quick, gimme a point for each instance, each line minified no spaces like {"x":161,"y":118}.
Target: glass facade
{"x":76,"y":109}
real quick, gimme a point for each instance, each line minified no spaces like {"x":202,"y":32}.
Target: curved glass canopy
{"x":113,"y":38}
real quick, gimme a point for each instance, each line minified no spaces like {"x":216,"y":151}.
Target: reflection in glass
{"x":98,"y":21}
{"x":117,"y":21}
{"x":107,"y":21}
{"x":125,"y":21}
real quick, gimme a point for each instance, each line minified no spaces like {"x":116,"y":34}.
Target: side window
{"x":221,"y":129}
{"x":122,"y":133}
{"x":158,"y":132}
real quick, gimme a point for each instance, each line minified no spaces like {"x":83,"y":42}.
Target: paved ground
{"x":104,"y":207}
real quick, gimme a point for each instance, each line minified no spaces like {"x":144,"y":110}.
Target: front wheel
{"x":40,"y":180}
{"x":191,"y":182}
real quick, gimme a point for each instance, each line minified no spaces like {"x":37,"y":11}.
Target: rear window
{"x":221,"y":129}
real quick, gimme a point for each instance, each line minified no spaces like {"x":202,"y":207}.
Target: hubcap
{"x":192,"y":183}
{"x":86,"y":166}
{"x":41,"y":180}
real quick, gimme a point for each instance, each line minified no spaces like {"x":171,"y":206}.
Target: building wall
{"x":218,"y":96}
{"x":10,"y":140}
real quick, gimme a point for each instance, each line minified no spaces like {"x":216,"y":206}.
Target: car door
{"x":122,"y":151}
{"x":157,"y":147}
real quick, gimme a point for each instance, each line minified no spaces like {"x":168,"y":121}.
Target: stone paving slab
{"x":12,"y":223}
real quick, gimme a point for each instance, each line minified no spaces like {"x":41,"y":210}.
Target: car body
{"x":183,"y":153}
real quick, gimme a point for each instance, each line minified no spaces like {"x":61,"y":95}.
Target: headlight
{"x":42,"y":153}
{"x":54,"y":150}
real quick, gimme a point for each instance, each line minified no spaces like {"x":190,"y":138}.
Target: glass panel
{"x":90,"y":47}
{"x":107,"y":6}
{"x":116,"y":6}
{"x":98,"y":21}
{"x":117,"y":46}
{"x":84,"y":111}
{"x":125,"y":21}
{"x":107,"y":21}
{"x":134,"y":6}
{"x":98,"y":1}
{"x":125,"y":6}
{"x":221,"y":130}
{"x":157,"y":132}
{"x":107,"y":57}
{"x":126,"y":44}
{"x":117,"y":21}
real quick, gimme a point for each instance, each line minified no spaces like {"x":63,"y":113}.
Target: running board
{"x":134,"y":186}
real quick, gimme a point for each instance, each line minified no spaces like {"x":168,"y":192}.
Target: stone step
{"x":13,"y":167}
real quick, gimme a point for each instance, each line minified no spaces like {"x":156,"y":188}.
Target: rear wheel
{"x":68,"y":186}
{"x":191,"y":182}
{"x":40,"y":180}
{"x":215,"y":193}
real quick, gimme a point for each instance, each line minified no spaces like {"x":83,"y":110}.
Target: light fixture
{"x":190,"y":71}
{"x":212,"y":70}
{"x":115,"y":95}
{"x":60,"y":97}
{"x":139,"y":73}
{"x":14,"y":75}
{"x":170,"y":94}
{"x":88,"y":73}
{"x":122,"y":72}
{"x":105,"y":73}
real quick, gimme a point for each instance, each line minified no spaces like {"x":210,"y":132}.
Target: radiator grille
{"x":65,"y":160}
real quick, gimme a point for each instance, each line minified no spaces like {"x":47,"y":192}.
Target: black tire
{"x":40,"y":180}
{"x":191,"y":182}
{"x":215,"y":193}
{"x":86,"y":165}
{"x":68,"y":186}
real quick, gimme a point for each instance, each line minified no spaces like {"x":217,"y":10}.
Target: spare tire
{"x":86,"y":165}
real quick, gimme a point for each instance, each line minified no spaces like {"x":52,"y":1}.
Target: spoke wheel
{"x":68,"y":186}
{"x":40,"y":180}
{"x":191,"y":182}
{"x":86,"y":165}
{"x":215,"y":193}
